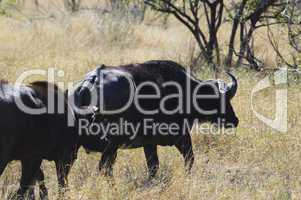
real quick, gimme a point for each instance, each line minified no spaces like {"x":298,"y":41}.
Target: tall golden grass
{"x":255,"y":163}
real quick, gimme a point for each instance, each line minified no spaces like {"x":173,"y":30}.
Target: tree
{"x":291,"y":17}
{"x":189,"y":13}
{"x":245,"y":17}
{"x":252,"y":19}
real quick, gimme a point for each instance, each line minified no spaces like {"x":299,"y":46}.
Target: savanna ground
{"x":256,"y":162}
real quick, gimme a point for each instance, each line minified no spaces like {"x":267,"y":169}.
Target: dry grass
{"x":255,"y":163}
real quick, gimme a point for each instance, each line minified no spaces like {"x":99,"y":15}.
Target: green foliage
{"x":2,"y":11}
{"x":251,"y":5}
{"x":5,"y":6}
{"x":11,"y":2}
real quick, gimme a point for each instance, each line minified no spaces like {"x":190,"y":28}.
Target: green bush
{"x":5,"y":6}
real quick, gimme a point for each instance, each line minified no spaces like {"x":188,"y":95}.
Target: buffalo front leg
{"x":62,"y":169}
{"x":42,"y":187}
{"x":151,"y":155}
{"x":185,"y":148}
{"x":107,"y":160}
{"x":4,"y":158}
{"x":2,"y":166}
{"x":29,"y":172}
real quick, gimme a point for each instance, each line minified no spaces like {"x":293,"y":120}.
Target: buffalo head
{"x":212,"y":101}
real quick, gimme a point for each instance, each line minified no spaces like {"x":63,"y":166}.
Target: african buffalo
{"x":31,"y":138}
{"x":158,"y":92}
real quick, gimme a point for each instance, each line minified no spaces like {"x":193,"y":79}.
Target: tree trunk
{"x":236,"y":21}
{"x":244,"y":42}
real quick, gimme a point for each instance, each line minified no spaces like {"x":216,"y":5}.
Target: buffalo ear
{"x":83,"y":92}
{"x":83,"y":95}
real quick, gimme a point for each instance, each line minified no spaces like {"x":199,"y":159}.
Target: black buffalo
{"x":110,"y":86}
{"x":31,"y":138}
